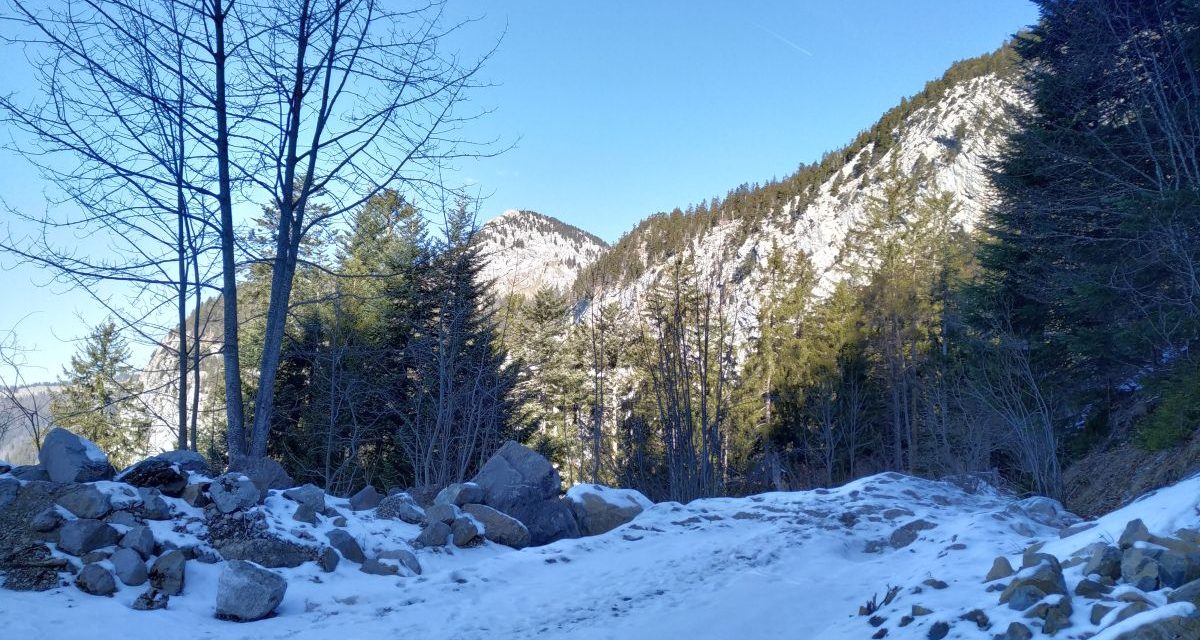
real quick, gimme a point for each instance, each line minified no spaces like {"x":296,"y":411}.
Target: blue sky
{"x":622,"y":109}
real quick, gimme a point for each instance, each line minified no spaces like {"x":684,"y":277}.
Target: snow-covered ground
{"x":796,"y":565}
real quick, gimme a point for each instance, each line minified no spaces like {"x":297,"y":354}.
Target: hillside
{"x":525,"y":251}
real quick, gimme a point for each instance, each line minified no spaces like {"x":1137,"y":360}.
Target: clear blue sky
{"x":622,"y":109}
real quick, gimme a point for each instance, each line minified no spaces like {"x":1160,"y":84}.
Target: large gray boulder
{"x":96,"y":580}
{"x":599,"y":509}
{"x":85,"y":501}
{"x":128,"y":566}
{"x":436,"y":534}
{"x":498,"y":527}
{"x":139,"y":539}
{"x":400,"y":506}
{"x":67,"y":457}
{"x":367,"y":498}
{"x":233,"y":491}
{"x":522,"y":483}
{"x":465,"y":532}
{"x":346,"y":545}
{"x":169,"y":572}
{"x":84,"y":535}
{"x":246,"y":592}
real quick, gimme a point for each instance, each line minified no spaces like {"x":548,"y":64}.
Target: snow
{"x":1146,"y":617}
{"x":615,"y":497}
{"x":793,"y":564}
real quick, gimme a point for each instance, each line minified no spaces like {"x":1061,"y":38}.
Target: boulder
{"x":1105,"y":561}
{"x":156,"y":473}
{"x":151,"y":600}
{"x":270,"y":552}
{"x":435,"y":534}
{"x":196,"y":494}
{"x":153,"y":506}
{"x":265,"y":473}
{"x":187,"y":461}
{"x":498,"y":527}
{"x":81,"y":536}
{"x":123,"y":518}
{"x":367,"y":498}
{"x":459,"y":493}
{"x":1182,"y":626}
{"x":128,"y":566}
{"x":47,"y":520}
{"x":246,"y":592}
{"x":305,"y":514}
{"x":139,"y":539}
{"x":85,"y":501}
{"x":1016,"y":631}
{"x":1189,"y":592}
{"x":1055,"y":613}
{"x":328,"y":560}
{"x":232,"y":492}
{"x":1045,"y":511}
{"x":1001,"y":568}
{"x":96,"y":580}
{"x":67,"y":457}
{"x":1035,"y":583}
{"x":406,"y":558}
{"x":169,"y":572}
{"x":445,"y":513}
{"x":522,"y":483}
{"x":346,"y":545}
{"x":31,"y":567}
{"x":308,"y":495}
{"x":400,"y":506}
{"x":1135,"y":531}
{"x":1150,"y":567}
{"x":464,"y":532}
{"x":599,"y":509}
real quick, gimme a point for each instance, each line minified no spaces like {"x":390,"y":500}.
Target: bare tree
{"x":21,"y":406}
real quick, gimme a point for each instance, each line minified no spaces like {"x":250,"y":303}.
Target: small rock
{"x":367,"y":498}
{"x":308,"y":495}
{"x":196,"y":494}
{"x":918,"y":611}
{"x":47,"y":520}
{"x":233,"y":492}
{"x":1016,"y":631}
{"x":1001,"y":568}
{"x":246,"y":592}
{"x":1088,"y":588}
{"x":1034,"y":583}
{"x":153,"y":505}
{"x":400,"y":506}
{"x":1098,"y":613}
{"x":123,"y":518}
{"x":1131,"y":610}
{"x":377,"y":568}
{"x":460,"y":493}
{"x":908,"y":533}
{"x":445,"y":513}
{"x":155,"y":473}
{"x":95,"y":556}
{"x":96,"y":580}
{"x":128,"y":566}
{"x":939,"y":630}
{"x":464,"y":532}
{"x":1135,"y":531}
{"x":85,"y":501}
{"x":346,"y":545}
{"x":78,"y":537}
{"x":1105,"y":561}
{"x":978,"y":617}
{"x":498,"y":527}
{"x":169,"y":572}
{"x":305,"y":514}
{"x":407,"y":558}
{"x":264,"y":473}
{"x":150,"y":600}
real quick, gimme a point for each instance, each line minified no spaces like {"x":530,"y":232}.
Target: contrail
{"x":784,"y":40}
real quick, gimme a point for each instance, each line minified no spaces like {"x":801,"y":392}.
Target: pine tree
{"x":99,"y":397}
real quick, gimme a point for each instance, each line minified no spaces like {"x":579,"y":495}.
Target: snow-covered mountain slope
{"x":953,"y":138}
{"x":795,"y":565}
{"x":525,"y":251}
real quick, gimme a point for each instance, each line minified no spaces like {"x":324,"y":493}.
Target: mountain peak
{"x":525,"y":251}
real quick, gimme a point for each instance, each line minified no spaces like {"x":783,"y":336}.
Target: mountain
{"x":525,"y":251}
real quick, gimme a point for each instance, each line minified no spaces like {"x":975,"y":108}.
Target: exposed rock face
{"x":232,"y":492}
{"x":78,"y":537}
{"x":169,"y":572}
{"x":522,"y":483}
{"x":599,"y":509}
{"x":367,"y":498}
{"x":498,"y":527}
{"x":246,"y":592}
{"x":400,"y":506}
{"x":459,"y":493}
{"x":85,"y":501}
{"x":67,"y":457}
{"x":96,"y":580}
{"x":156,"y":473}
